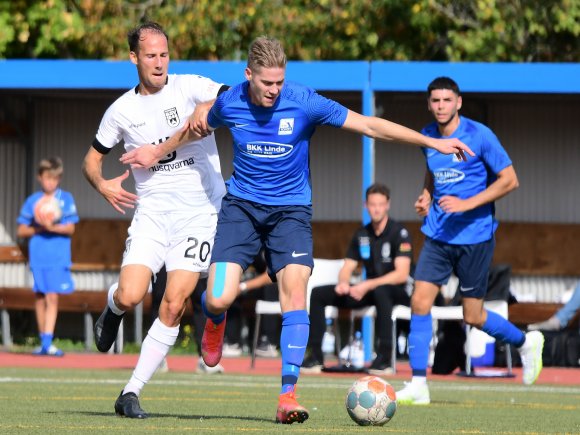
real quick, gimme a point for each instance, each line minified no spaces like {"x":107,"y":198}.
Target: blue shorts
{"x":52,"y":280}
{"x":469,"y":262}
{"x":244,"y":227}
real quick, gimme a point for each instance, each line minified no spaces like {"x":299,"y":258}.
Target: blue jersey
{"x":464,"y":180}
{"x":271,"y":144}
{"x":49,"y":249}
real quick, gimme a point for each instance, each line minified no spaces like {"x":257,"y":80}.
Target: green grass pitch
{"x":41,"y":401}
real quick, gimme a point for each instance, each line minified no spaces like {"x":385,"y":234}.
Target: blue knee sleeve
{"x":502,"y":329}
{"x":293,"y":341}
{"x":419,"y":339}
{"x":219,"y":279}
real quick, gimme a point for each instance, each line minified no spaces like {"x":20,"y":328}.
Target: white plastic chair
{"x":452,"y":313}
{"x":325,"y":272}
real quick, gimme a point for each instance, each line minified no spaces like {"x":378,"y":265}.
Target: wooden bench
{"x":97,"y":246}
{"x":530,"y":248}
{"x":85,"y":302}
{"x":524,"y":313}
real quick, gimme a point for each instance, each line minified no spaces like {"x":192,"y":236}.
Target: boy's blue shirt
{"x":49,"y":249}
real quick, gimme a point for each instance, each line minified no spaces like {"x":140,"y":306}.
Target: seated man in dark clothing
{"x":384,"y":247}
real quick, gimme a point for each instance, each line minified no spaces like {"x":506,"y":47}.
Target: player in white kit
{"x":177,"y":200}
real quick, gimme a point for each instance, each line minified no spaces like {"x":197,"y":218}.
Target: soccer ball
{"x":371,"y":401}
{"x":47,"y":210}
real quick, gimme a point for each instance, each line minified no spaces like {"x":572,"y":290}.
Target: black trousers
{"x":383,"y":298}
{"x":270,"y":324}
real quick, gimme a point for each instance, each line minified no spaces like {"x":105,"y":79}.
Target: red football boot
{"x":212,"y":342}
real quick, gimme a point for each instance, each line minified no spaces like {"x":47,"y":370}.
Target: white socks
{"x":111,"y":302}
{"x":155,"y":347}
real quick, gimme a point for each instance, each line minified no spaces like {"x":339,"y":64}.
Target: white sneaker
{"x":163,"y":367}
{"x":231,"y":350}
{"x":267,"y":350}
{"x":531,"y":353}
{"x":414,"y":394}
{"x":203,"y":368}
{"x":552,"y":324}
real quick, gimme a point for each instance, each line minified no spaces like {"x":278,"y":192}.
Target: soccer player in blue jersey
{"x":50,"y":235}
{"x":268,"y":203}
{"x":457,"y":204}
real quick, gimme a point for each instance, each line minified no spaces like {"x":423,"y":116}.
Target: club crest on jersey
{"x":386,"y":251}
{"x":286,"y":126}
{"x":172,"y":117}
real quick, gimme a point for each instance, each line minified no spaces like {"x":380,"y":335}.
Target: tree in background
{"x":471,"y":30}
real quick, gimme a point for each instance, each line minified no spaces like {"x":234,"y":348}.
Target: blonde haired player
{"x":177,"y":200}
{"x":48,"y":219}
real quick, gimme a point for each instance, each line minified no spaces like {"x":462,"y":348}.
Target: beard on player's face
{"x":445,"y":121}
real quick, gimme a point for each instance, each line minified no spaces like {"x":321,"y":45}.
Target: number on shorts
{"x":204,"y":250}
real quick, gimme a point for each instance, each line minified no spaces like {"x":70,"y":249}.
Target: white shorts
{"x":178,"y":240}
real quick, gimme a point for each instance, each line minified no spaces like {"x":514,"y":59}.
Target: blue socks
{"x":45,"y":341}
{"x":419,"y":339}
{"x":293,"y":341}
{"x":422,"y":330}
{"x":503,"y":330}
{"x":215,"y":318}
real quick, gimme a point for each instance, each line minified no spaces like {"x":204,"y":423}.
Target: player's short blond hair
{"x":53,"y":165}
{"x":266,"y":52}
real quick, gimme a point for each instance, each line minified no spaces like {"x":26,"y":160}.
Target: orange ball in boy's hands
{"x":47,"y":210}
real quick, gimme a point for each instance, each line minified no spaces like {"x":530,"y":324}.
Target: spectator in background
{"x":562,"y":317}
{"x":48,"y":219}
{"x":384,"y":247}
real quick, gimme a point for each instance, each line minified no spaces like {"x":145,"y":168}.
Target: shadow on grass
{"x":178,"y":416}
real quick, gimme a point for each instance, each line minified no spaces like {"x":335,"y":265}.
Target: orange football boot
{"x":289,"y":410}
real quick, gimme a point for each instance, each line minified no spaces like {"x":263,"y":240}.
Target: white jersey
{"x":189,"y":178}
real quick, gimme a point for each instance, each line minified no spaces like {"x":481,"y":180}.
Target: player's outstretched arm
{"x":383,"y":129}
{"x":147,"y":155}
{"x":197,"y":121}
{"x":112,"y":190}
{"x":194,"y":128}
